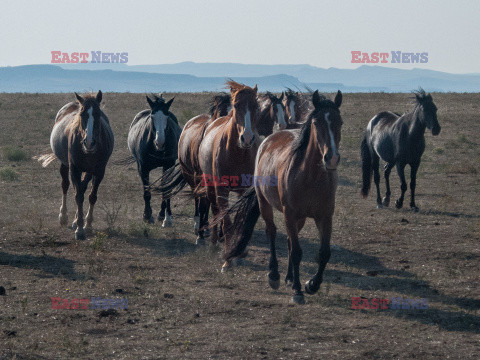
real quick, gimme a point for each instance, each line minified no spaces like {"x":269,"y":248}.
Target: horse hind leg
{"x":403,"y":186}
{"x":413,"y":183}
{"x":388,"y":169}
{"x":166,"y":213}
{"x":63,"y":217}
{"x":271,"y":232}
{"x":196,"y":217}
{"x":376,"y":178}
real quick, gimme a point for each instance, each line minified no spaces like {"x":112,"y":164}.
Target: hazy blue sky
{"x":320,"y":33}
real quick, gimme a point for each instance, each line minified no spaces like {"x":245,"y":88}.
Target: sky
{"x":314,"y":32}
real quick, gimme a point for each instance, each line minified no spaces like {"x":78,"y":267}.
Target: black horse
{"x":153,"y":142}
{"x":398,"y":140}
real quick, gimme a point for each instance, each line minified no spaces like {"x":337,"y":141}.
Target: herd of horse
{"x":244,"y":134}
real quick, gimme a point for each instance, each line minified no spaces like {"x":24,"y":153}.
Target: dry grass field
{"x":180,"y":305}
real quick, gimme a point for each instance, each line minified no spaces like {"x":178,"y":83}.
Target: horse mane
{"x":218,"y":99}
{"x":299,"y":146}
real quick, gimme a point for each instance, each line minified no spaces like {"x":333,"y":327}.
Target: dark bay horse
{"x":83,"y":141}
{"x":295,"y":108}
{"x":153,"y":142}
{"x":272,"y":111}
{"x":304,"y":161}
{"x":397,"y":140}
{"x":228,"y":151}
{"x":188,"y":146}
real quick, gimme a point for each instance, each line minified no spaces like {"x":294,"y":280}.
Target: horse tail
{"x":45,"y":159}
{"x":171,"y":182}
{"x":247,"y":212}
{"x":366,"y":167}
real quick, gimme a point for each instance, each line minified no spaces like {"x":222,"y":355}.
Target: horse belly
{"x":59,"y":141}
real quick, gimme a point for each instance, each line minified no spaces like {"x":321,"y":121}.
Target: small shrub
{"x":14,"y":153}
{"x":438,"y":151}
{"x":99,"y":241}
{"x":8,"y":174}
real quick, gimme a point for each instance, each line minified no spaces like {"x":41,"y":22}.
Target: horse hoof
{"x":379,"y":206}
{"x":398,"y":204}
{"x":309,"y":288}
{"x":200,"y":241}
{"x":298,"y":299}
{"x":167,"y":224}
{"x":206,"y":232}
{"x":227,"y":267}
{"x":80,"y":234}
{"x":274,"y":284}
{"x":414,"y":208}
{"x":386,"y":202}
{"x":149,"y":220}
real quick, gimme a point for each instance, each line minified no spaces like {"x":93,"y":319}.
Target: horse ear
{"x":255,"y":89}
{"x":169,"y":103}
{"x":79,"y":98}
{"x":282,"y":96}
{"x":150,"y":102}
{"x":99,"y":96}
{"x":338,"y":99}
{"x":316,"y":98}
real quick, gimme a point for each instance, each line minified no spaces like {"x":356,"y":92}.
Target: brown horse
{"x":304,"y":162}
{"x":187,"y":170}
{"x":83,"y":141}
{"x":228,"y":151}
{"x":295,"y":108}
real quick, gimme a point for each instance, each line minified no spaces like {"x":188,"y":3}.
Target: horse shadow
{"x":164,"y":247}
{"x":51,"y":266}
{"x":371,"y":274}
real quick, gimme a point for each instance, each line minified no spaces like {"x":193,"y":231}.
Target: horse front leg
{"x":403,"y":186}
{"x":295,"y":255}
{"x":196,"y":216}
{"x":145,"y":176}
{"x":92,"y":199}
{"x":83,"y":185}
{"x":63,"y":217}
{"x":413,"y":184}
{"x":203,"y":207}
{"x":76,"y":176}
{"x":388,"y":170}
{"x":324,"y":226}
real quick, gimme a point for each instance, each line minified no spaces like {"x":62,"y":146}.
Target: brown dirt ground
{"x":181,"y":306}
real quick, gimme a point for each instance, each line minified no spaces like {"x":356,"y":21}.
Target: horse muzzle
{"x":436,"y":130}
{"x":89,"y":147}
{"x":332,"y":163}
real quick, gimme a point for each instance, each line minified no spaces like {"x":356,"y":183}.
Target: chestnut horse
{"x":272,"y":111}
{"x":304,"y":162}
{"x":153,"y":142}
{"x":398,"y":140}
{"x":83,"y":141}
{"x":295,"y":108}
{"x":228,"y":150}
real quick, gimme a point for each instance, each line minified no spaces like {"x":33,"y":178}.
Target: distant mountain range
{"x":197,"y":77}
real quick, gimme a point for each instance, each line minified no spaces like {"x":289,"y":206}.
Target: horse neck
{"x":265,"y":124}
{"x":312,"y":162}
{"x":417,"y":128}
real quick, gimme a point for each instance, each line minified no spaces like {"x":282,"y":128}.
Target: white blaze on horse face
{"x":333,"y":146}
{"x":89,"y":127}
{"x":292,"y":111}
{"x":281,"y":117}
{"x":160,"y":123}
{"x":248,"y":132}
